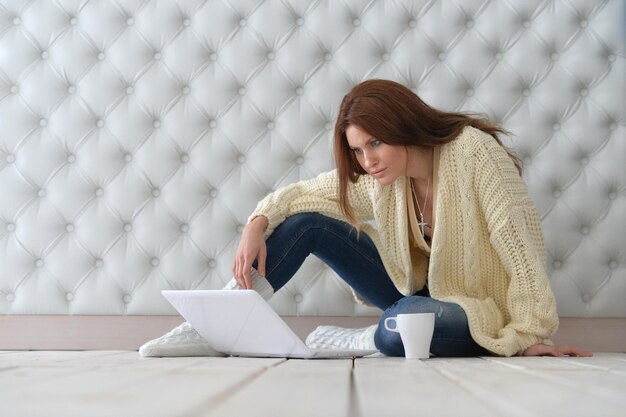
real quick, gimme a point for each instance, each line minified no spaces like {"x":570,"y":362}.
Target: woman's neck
{"x":420,"y":164}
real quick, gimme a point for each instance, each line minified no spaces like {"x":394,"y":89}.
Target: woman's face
{"x":384,"y":162}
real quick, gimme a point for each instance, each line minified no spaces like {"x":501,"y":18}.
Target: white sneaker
{"x":332,"y":337}
{"x":184,"y":340}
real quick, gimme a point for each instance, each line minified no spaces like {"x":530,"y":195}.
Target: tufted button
{"x":584,"y":92}
{"x":613,"y":264}
{"x":240,"y":228}
{"x":469,"y":24}
{"x":527,"y":160}
{"x":128,"y":227}
{"x":73,"y":21}
{"x":45,"y":55}
{"x":10,"y":227}
{"x":612,"y":126}
{"x":299,"y":21}
{"x":526,"y":92}
{"x":98,"y":263}
{"x":130,"y":21}
{"x":554,"y":56}
{"x":71,"y":158}
{"x":69,"y":296}
{"x":128,"y":157}
{"x":299,"y":91}
{"x":99,"y":192}
{"x":556,"y":193}
{"x":385,"y":56}
{"x":10,"y":158}
{"x":526,"y":23}
{"x":213,"y":56}
{"x":586,"y":298}
{"x":612,"y":195}
{"x":100,"y":123}
{"x":241,"y":159}
{"x":270,"y":125}
{"x":584,"y":160}
{"x":213,"y":124}
{"x":186,"y":21}
{"x":356,"y":22}
{"x":101,"y":56}
{"x":155,"y":262}
{"x":611,"y":57}
{"x":156,"y":192}
{"x":441,"y":56}
{"x":184,"y":158}
{"x":10,"y":297}
{"x":297,"y":298}
{"x":213,"y":193}
{"x":241,"y":91}
{"x":39,"y":263}
{"x":41,"y":192}
{"x":584,"y":230}
{"x":328,"y":126}
{"x":271,"y":55}
{"x":328,"y":56}
{"x":557,"y":264}
{"x":156,"y":123}
{"x":126,"y":298}
{"x":69,"y":228}
{"x":43,"y":122}
{"x":300,"y":160}
{"x":157,"y":55}
{"x":71,"y":89}
{"x":242,"y":22}
{"x":211,"y":263}
{"x":130,"y":90}
{"x":469,"y":92}
{"x":556,"y":126}
{"x":15,"y":89}
{"x":498,"y":56}
{"x":186,"y":90}
{"x":412,"y":23}
{"x":184,"y":228}
{"x":584,"y":23}
{"x":17,"y":21}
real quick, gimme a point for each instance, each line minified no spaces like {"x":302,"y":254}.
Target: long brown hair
{"x":395,"y":115}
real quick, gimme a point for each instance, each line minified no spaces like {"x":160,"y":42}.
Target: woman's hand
{"x":546,"y":350}
{"x":251,"y":247}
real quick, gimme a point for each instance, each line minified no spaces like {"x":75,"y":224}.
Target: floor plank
{"x":300,"y":388}
{"x":392,"y":386}
{"x":158,"y":387}
{"x":516,"y":389}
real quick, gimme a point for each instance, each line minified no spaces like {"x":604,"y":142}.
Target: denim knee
{"x":389,"y":343}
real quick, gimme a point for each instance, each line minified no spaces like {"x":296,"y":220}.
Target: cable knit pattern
{"x":487,"y":251}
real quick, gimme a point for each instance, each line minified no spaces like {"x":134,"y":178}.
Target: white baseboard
{"x":130,"y":332}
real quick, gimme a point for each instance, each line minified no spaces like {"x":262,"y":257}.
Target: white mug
{"x":416,"y":331}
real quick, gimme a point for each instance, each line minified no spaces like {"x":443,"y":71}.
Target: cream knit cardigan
{"x":487,"y":252}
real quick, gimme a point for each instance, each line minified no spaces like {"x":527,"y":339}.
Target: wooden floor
{"x":120,"y":383}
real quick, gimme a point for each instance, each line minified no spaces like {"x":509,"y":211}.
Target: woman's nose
{"x":369,"y":159}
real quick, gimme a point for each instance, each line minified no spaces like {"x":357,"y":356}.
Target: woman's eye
{"x":357,"y":151}
{"x":374,"y":143}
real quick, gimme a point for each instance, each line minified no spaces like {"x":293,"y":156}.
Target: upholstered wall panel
{"x":137,"y":136}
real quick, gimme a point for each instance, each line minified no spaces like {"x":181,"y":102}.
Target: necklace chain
{"x":421,"y":223}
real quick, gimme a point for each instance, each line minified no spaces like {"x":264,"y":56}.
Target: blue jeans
{"x":357,"y":262}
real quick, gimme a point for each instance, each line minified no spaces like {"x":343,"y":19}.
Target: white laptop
{"x":242,"y":323}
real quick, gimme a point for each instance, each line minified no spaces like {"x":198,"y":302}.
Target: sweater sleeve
{"x":318,"y":195}
{"x":516,"y":236}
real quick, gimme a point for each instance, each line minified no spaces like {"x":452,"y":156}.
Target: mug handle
{"x":395,"y":320}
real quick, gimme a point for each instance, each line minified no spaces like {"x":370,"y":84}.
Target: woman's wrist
{"x":260,"y":223}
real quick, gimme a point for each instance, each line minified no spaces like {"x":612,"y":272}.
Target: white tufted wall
{"x":137,"y":136}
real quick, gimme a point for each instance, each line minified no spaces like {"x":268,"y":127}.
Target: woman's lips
{"x":378,"y":173}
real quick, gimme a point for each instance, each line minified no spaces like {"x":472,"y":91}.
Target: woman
{"x":425,"y":212}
